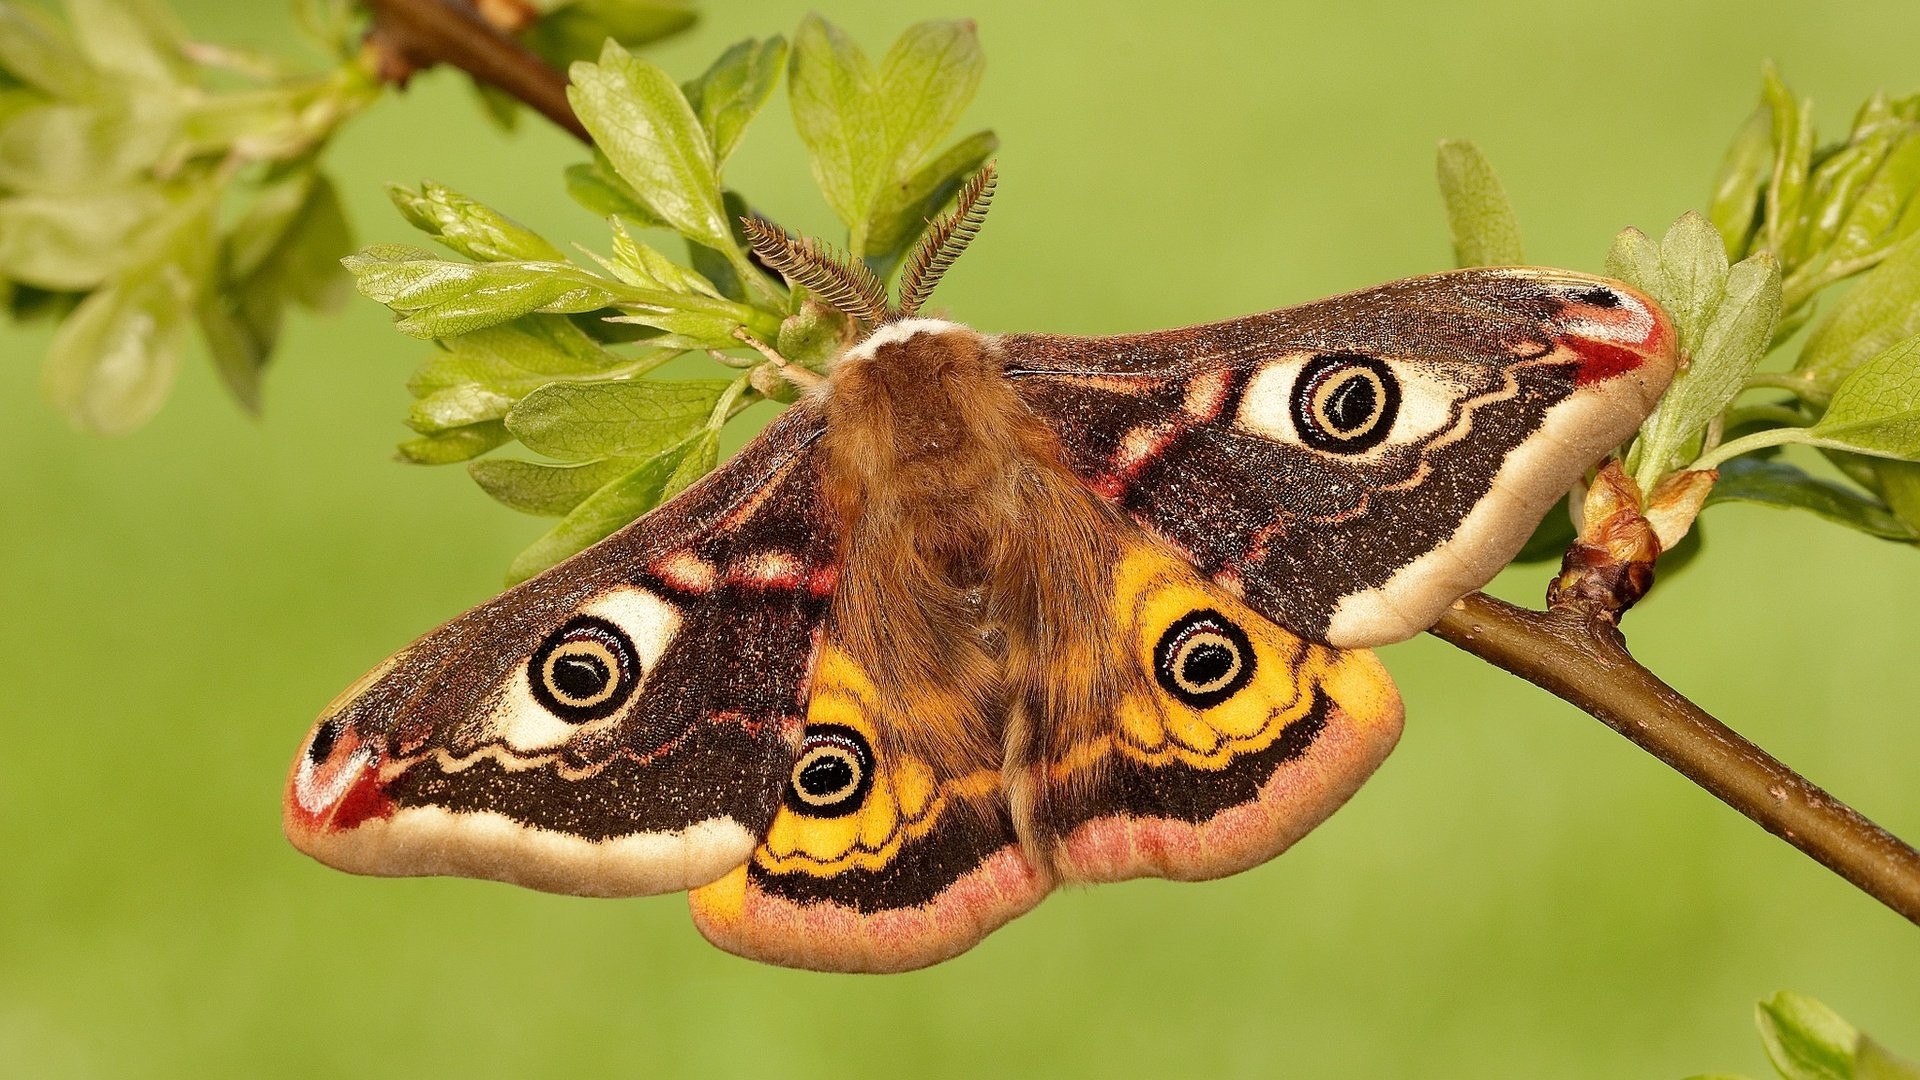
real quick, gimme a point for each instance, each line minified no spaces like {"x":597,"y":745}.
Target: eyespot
{"x":585,"y":670}
{"x":1203,"y":659}
{"x":1345,"y":403}
{"x":833,"y":773}
{"x":325,"y":737}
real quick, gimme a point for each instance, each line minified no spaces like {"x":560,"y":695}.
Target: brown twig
{"x":413,"y":34}
{"x":1575,"y":651}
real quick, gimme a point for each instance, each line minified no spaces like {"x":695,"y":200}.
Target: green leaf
{"x":903,"y":209}
{"x":114,"y":359}
{"x":1875,"y":1062}
{"x":518,"y":357}
{"x":651,"y":269}
{"x":1792,"y":153}
{"x":138,"y":39}
{"x":1744,"y":172}
{"x":728,"y":95}
{"x":602,"y":513}
{"x":61,"y":149}
{"x":34,"y":50}
{"x":582,"y":421}
{"x":638,"y":116}
{"x":457,"y":407}
{"x":470,"y":228}
{"x":1805,"y":1039}
{"x":575,"y":30}
{"x":1485,"y":231}
{"x":1725,"y":318}
{"x":865,"y":130}
{"x":1877,"y":409}
{"x":459,"y":444}
{"x":597,"y":187}
{"x":547,"y":490}
{"x":438,"y":298}
{"x":813,"y":336}
{"x":74,"y":241}
{"x":1881,"y":309}
{"x":1899,"y":484}
{"x":1778,"y":484}
{"x":702,"y":454}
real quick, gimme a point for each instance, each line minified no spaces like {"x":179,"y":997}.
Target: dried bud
{"x":1610,"y":567}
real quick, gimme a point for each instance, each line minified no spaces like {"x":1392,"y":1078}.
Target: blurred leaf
{"x":438,"y":298}
{"x":468,"y":227}
{"x":1875,"y":1062}
{"x":1744,"y":173}
{"x":74,"y":241}
{"x":1792,"y":153}
{"x":582,"y":421}
{"x":502,"y":108}
{"x":577,"y":29}
{"x":638,"y":116}
{"x":1882,"y":309}
{"x":602,"y":513}
{"x":728,"y":95}
{"x":114,"y":359}
{"x":547,"y":490}
{"x":597,"y":187}
{"x":459,"y":444}
{"x":903,"y":209}
{"x":138,"y":39}
{"x":1805,"y":1039}
{"x":1899,"y":483}
{"x":1776,"y":483}
{"x":62,"y":149}
{"x":29,"y":302}
{"x":1485,"y":231}
{"x":35,"y":50}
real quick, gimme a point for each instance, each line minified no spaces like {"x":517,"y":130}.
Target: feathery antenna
{"x":838,"y":280}
{"x":944,"y":242}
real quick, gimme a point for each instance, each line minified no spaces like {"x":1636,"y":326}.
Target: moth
{"x":981,"y":615}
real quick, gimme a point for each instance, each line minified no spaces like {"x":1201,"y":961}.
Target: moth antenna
{"x":945,"y":240}
{"x":837,"y":279}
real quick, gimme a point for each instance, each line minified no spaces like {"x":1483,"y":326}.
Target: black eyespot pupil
{"x":1207,"y":663}
{"x":1352,"y":404}
{"x":580,"y":676}
{"x":1599,"y":297}
{"x":826,"y":775}
{"x":321,"y":748}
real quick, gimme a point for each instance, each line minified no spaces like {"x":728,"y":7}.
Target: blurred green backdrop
{"x":1518,"y":893}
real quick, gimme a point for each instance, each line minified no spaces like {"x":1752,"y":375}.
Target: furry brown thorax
{"x":964,"y":527}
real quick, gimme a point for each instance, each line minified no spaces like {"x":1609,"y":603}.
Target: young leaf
{"x":1881,"y":309}
{"x":834,"y":94}
{"x":1805,"y":1039}
{"x":1725,"y":318}
{"x":596,"y":186}
{"x":438,"y":299}
{"x":582,"y":421}
{"x":35,"y":51}
{"x":1792,"y":153}
{"x":639,"y":117}
{"x":546,"y":490}
{"x":728,"y":95}
{"x":476,"y":231}
{"x":1485,"y":231}
{"x":1776,"y":483}
{"x":459,"y":444}
{"x":457,"y":407}
{"x":1877,"y":409}
{"x":76,"y":240}
{"x":114,"y":359}
{"x":138,"y":39}
{"x":601,"y":514}
{"x":1744,"y":172}
{"x":903,"y":210}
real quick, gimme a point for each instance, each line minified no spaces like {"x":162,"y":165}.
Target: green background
{"x":1519,"y":892}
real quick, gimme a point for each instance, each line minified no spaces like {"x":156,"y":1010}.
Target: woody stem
{"x":1579,"y":655}
{"x":426,"y":32}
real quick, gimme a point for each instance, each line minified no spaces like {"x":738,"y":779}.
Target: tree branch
{"x":416,"y":34}
{"x":1578,"y":654}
